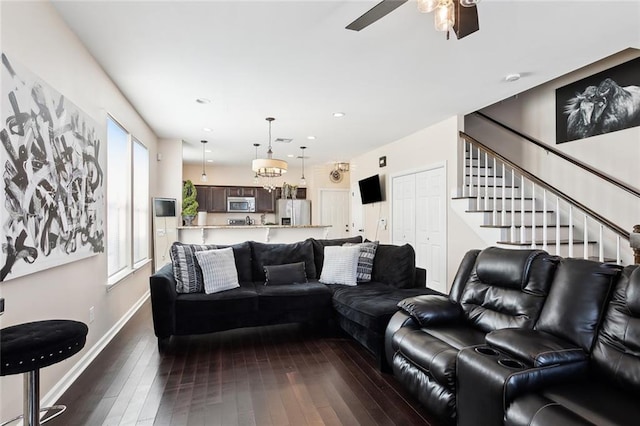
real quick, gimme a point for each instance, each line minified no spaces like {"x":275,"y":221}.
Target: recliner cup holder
{"x":510,"y":363}
{"x":485,"y":350}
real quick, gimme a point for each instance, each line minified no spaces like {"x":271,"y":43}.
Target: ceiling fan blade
{"x":466,"y":20}
{"x":376,"y":12}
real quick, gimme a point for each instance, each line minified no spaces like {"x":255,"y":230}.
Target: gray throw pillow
{"x":186,"y":270}
{"x":365,"y":260}
{"x":289,"y":273}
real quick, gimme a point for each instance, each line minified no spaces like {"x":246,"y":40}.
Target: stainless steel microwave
{"x":241,"y":204}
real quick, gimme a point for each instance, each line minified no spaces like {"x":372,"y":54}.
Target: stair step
{"x":539,"y":243}
{"x":526,"y":226}
{"x":490,"y":218}
{"x":508,"y":211}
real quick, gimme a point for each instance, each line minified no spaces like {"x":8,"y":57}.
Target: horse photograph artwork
{"x":602,"y":103}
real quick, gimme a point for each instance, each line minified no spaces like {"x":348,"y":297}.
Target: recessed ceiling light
{"x":512,"y":77}
{"x":311,"y":138}
{"x":209,"y":161}
{"x":207,"y":150}
{"x":338,"y":114}
{"x":203,"y":101}
{"x":206,"y":129}
{"x":290,"y":155}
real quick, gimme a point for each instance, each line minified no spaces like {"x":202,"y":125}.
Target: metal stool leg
{"x":31,"y":402}
{"x":31,"y":398}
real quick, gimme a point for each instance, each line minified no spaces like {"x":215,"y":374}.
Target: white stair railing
{"x":481,"y":166}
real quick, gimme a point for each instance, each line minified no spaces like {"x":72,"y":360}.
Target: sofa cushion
{"x":218,"y":270}
{"x":429,"y":353}
{"x":305,"y":296}
{"x":394,"y":265}
{"x":365,"y":260}
{"x":371,"y":305}
{"x":341,"y":265}
{"x":319,"y":245}
{"x":289,"y":273}
{"x":575,"y":304}
{"x":185,"y":266}
{"x":242,"y":256}
{"x":280,"y":254}
{"x":616,"y":353}
{"x":241,"y":300}
{"x":507,"y":288}
{"x":579,"y":403}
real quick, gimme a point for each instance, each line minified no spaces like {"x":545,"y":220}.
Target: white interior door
{"x":419,"y":219}
{"x":404,"y":209}
{"x":334,"y":211}
{"x":431,"y":226}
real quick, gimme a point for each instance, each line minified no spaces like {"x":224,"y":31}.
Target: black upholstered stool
{"x":26,"y":348}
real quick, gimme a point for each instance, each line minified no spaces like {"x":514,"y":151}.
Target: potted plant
{"x":189,"y":202}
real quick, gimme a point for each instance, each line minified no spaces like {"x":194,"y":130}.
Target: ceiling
{"x":295,"y":61}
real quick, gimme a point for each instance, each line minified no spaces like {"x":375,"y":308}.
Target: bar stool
{"x":26,"y":348}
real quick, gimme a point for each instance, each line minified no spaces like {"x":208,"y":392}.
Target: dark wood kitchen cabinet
{"x":239,"y":191}
{"x":212,"y":199}
{"x":265,"y":201}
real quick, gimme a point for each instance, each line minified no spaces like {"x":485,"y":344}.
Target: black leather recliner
{"x":609,"y":392}
{"x":494,"y":289}
{"x":515,"y":361}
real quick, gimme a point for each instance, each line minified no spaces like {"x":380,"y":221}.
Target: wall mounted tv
{"x":164,"y":207}
{"x":370,"y":191}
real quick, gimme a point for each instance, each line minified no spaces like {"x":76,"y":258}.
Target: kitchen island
{"x":232,"y":234}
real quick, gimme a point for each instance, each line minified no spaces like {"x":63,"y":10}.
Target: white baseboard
{"x":67,"y":380}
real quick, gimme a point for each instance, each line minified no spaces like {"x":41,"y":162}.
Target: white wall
{"x":616,"y":154}
{"x":33,"y":34}
{"x":435,"y":144}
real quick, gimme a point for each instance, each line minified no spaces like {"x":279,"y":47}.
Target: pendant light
{"x":203,"y":177}
{"x":255,"y":176}
{"x":303,"y":181}
{"x":269,"y":168}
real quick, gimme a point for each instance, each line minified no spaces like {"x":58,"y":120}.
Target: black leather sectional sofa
{"x":524,"y":338}
{"x":362,"y":311}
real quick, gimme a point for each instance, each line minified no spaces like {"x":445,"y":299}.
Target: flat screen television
{"x":164,"y":207}
{"x":370,"y":190}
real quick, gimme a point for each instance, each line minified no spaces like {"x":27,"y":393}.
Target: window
{"x":128,"y":202}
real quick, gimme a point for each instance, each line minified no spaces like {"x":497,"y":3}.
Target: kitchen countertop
{"x":253,"y":226}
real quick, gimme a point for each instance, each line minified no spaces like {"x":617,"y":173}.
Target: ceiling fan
{"x":459,"y":15}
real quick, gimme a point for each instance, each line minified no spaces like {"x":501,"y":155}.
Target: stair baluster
{"x":513,"y":205}
{"x":570,"y":231}
{"x":478,"y":205}
{"x":486,"y":180}
{"x":503,"y":212}
{"x":522,"y":212}
{"x":557,"y":225}
{"x":479,"y":190}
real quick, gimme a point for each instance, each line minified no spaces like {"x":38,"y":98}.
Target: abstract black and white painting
{"x":602,"y":103}
{"x":53,"y":184}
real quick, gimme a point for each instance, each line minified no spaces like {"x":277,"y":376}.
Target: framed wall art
{"x":602,"y":103}
{"x":53,"y":182}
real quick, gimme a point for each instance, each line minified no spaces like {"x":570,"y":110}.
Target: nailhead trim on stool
{"x":34,"y":345}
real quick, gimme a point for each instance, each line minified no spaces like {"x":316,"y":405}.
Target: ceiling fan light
{"x":469,"y":3}
{"x":426,"y":6}
{"x":444,"y":16}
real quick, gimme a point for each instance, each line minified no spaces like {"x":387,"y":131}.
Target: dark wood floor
{"x":277,"y":375}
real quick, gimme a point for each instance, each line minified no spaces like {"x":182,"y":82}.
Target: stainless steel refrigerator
{"x":294,"y":212}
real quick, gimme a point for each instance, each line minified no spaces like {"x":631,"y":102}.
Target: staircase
{"x":511,"y":208}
